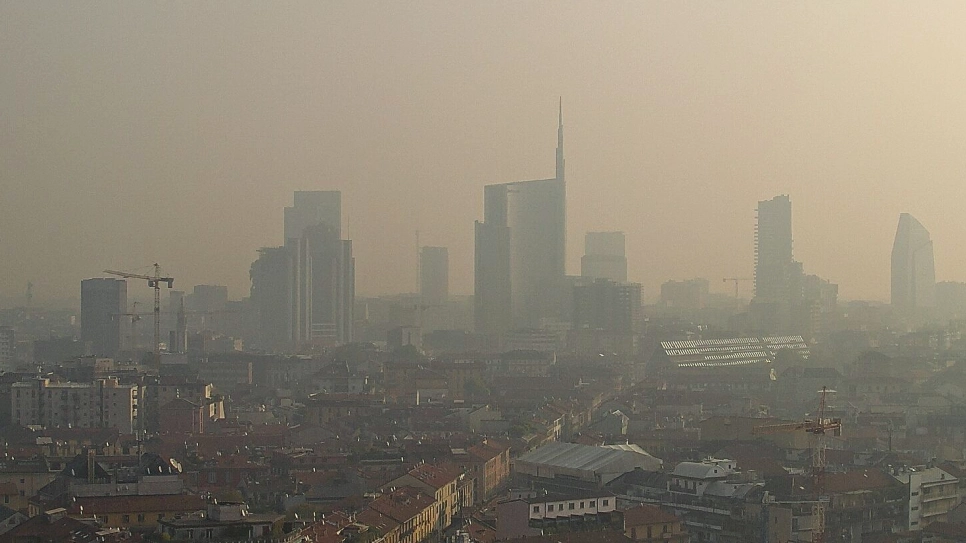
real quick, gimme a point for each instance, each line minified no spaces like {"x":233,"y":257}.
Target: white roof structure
{"x":585,"y":462}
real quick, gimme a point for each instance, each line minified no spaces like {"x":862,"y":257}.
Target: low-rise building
{"x":653,"y":524}
{"x":222,"y":521}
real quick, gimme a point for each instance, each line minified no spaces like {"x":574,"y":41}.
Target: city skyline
{"x":187,"y":160}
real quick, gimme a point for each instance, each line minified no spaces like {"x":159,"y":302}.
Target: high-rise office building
{"x":774,"y":267}
{"x":103,"y":302}
{"x":271,"y":296}
{"x":604,"y":256}
{"x":434,"y":275}
{"x":520,"y":252}
{"x":607,"y":305}
{"x":207,"y":298}
{"x":312,"y":207}
{"x":304,"y":291}
{"x":913,"y":267}
{"x":332,"y":284}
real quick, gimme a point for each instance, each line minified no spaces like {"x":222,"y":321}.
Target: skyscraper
{"x":434,"y":275}
{"x":312,"y":207}
{"x":103,"y":301}
{"x":913,"y":267}
{"x":604,"y":256}
{"x":520,"y":251}
{"x":305,"y":290}
{"x":776,"y":274}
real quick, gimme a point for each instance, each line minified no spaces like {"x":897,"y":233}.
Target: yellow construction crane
{"x":154,"y":281}
{"x":817,"y":427}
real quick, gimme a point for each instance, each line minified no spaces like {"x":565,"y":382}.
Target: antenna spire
{"x":560,"y":144}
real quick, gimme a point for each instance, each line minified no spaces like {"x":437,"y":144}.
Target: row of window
{"x":572,"y":506}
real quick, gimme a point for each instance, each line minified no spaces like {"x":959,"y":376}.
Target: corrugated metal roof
{"x":582,"y":457}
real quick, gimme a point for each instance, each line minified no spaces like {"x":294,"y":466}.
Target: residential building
{"x":102,"y":403}
{"x":653,"y":524}
{"x":932,"y":493}
{"x":441,"y":483}
{"x":222,"y":520}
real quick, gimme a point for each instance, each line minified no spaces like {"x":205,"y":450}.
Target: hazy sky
{"x":135,"y":132}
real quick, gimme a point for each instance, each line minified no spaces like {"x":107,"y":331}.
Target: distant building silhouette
{"x":604,"y":256}
{"x":691,"y":294}
{"x":304,"y":291}
{"x":777,"y":276}
{"x":603,"y":304}
{"x":520,"y":252}
{"x":434,"y":275}
{"x":913,"y":267}
{"x":103,"y":301}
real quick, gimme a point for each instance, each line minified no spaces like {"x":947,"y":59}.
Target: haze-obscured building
{"x":520,"y":252}
{"x":604,"y":256}
{"x":434,"y":275}
{"x":103,"y":302}
{"x":913,"y":267}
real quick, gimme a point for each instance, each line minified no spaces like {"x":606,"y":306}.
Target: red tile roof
{"x":644,"y":515}
{"x":178,"y":503}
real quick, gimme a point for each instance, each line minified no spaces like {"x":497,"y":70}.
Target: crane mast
{"x":154,"y":281}
{"x":818,"y":427}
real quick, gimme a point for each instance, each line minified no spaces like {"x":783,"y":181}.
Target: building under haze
{"x":103,"y":302}
{"x":434,"y":275}
{"x":776,"y":273}
{"x":304,"y":291}
{"x":520,"y":278}
{"x":913,"y":267}
{"x":604,"y":256}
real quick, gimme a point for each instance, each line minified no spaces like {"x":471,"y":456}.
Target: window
{"x":6,"y":498}
{"x":570,"y":506}
{"x":126,"y":519}
{"x":593,"y":503}
{"x":536,"y":508}
{"x":550,"y":507}
{"x":581,"y":505}
{"x":160,"y":516}
{"x":141,"y":517}
{"x":606,"y":503}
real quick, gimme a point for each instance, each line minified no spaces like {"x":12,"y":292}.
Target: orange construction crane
{"x":154,"y":281}
{"x":818,"y":428}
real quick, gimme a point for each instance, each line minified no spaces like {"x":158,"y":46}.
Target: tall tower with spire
{"x":560,"y":147}
{"x":520,"y":252}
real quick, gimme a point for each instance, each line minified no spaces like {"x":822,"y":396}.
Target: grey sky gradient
{"x":134,"y":132}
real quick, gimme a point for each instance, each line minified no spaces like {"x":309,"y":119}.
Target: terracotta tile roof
{"x":137,"y":504}
{"x":402,"y":504}
{"x":436,"y":476}
{"x":644,"y":515}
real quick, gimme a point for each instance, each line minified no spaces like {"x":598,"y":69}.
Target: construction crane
{"x":155,"y":283}
{"x":817,"y":428}
{"x":736,"y":280}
